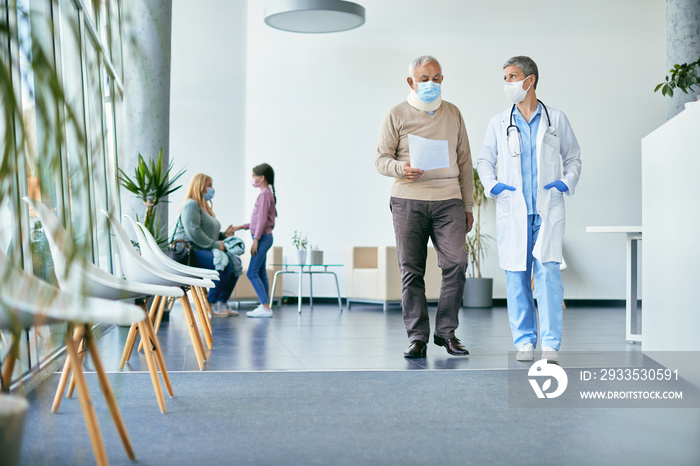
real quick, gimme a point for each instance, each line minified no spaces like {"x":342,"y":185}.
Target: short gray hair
{"x":422,"y":61}
{"x":526,"y":64}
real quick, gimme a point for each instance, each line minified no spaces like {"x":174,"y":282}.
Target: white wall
{"x":314,"y":104}
{"x":207,"y":101}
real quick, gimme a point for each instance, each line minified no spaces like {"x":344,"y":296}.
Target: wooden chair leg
{"x":152,"y":314}
{"x":129,"y":345}
{"x":132,"y":343}
{"x":109,"y":397}
{"x":86,"y":404}
{"x":194,"y":333}
{"x":154,"y":307}
{"x":159,"y":358}
{"x":8,"y":366}
{"x":77,"y":336}
{"x":81,"y":355}
{"x":205,"y":304}
{"x":159,"y":316}
{"x":3,"y":342}
{"x":63,"y":381}
{"x":196,"y":329}
{"x":202,"y":320}
{"x":151,"y":363}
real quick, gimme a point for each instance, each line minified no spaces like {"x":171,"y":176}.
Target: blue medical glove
{"x":559,"y":184}
{"x":500,"y":187}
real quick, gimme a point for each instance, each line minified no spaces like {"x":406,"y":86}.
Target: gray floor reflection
{"x":365,"y":338}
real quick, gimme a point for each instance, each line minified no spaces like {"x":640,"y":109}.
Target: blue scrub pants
{"x":257,"y":269}
{"x":550,"y":297}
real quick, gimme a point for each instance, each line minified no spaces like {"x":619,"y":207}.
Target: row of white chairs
{"x":100,"y":295}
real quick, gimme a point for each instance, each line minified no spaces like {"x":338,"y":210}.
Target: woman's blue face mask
{"x":428,"y":91}
{"x":209,"y":195}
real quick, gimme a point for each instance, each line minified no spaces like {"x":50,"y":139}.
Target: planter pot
{"x":316,"y":257}
{"x":301,"y":256}
{"x":13,"y":411}
{"x":478,"y":292}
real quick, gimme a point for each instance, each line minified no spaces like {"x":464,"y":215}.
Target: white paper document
{"x":428,"y":154}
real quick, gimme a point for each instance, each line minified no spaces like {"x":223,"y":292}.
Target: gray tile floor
{"x":362,"y":338}
{"x":465,"y":419}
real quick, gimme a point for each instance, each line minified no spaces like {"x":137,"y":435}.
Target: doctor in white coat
{"x":530,"y":159}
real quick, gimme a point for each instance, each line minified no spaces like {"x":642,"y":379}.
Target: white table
{"x":634,"y":235}
{"x":310,"y":270}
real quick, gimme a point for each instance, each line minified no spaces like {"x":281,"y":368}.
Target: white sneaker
{"x":526,"y":353}
{"x":550,"y":354}
{"x":260,"y":311}
{"x":218,"y":310}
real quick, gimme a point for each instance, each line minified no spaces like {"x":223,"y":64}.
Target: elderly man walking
{"x":432,"y":203}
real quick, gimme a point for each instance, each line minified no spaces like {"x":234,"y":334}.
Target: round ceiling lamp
{"x":314,"y":16}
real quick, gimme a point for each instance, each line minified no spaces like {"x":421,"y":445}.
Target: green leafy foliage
{"x":682,"y":76}
{"x":477,"y":243}
{"x":300,"y":241}
{"x":152,"y":185}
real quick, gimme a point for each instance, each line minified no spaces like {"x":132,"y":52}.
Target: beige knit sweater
{"x":454,"y":182}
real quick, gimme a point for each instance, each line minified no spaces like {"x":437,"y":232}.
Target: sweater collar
{"x":415,"y":102}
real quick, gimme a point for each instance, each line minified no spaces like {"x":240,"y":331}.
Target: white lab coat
{"x":511,"y":210}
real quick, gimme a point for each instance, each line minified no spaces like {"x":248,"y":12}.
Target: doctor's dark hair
{"x":422,"y":61}
{"x":266,"y":170}
{"x":526,"y":65}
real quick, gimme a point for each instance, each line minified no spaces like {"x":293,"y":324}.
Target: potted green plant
{"x":684,"y":76}
{"x":478,"y":291}
{"x":301,"y":243}
{"x":151,"y":184}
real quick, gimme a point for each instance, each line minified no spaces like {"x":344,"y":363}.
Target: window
{"x":76,"y":46}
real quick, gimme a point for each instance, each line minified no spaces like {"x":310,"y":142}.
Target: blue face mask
{"x":428,"y":91}
{"x":209,"y":195}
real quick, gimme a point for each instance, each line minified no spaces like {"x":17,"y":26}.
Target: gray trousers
{"x":445,"y":223}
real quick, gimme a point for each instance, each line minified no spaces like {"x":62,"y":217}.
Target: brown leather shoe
{"x":417,"y":349}
{"x":452,"y":345}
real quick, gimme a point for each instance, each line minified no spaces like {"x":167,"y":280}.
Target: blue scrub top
{"x":528,"y":156}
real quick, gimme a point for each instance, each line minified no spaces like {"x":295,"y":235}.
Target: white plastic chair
{"x":158,"y":255}
{"x":150,"y":250}
{"x":138,"y":269}
{"x":25,"y":301}
{"x":187,"y":270}
{"x":162,"y":262}
{"x":86,"y":278}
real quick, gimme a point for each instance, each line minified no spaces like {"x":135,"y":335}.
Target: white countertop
{"x":615,"y":229}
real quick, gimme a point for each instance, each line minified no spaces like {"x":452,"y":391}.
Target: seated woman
{"x":198,"y":226}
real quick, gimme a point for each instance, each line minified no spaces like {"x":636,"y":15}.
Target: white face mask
{"x":515,"y":92}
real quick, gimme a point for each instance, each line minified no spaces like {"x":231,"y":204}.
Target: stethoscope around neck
{"x":516,"y":149}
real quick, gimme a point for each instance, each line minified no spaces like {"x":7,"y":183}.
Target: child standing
{"x":261,"y":225}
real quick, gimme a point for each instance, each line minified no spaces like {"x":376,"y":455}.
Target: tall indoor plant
{"x":478,"y":291}
{"x":151,"y":184}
